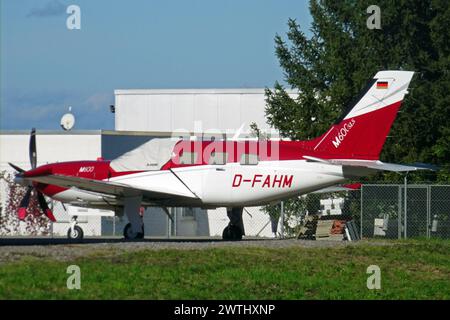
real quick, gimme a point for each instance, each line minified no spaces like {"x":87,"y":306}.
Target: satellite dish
{"x":68,"y":120}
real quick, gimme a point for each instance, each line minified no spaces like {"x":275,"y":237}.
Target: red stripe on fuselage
{"x":360,"y":137}
{"x":96,"y":170}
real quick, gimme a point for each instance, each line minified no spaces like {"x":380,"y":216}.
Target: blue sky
{"x":131,"y":44}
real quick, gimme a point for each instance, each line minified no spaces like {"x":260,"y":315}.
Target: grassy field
{"x":409,"y":270}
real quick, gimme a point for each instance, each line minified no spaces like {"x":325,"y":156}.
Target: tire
{"x":130,"y":235}
{"x":232,"y":233}
{"x":75,"y":234}
{"x":226,"y":234}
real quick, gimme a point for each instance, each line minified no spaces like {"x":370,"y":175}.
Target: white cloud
{"x":50,"y":9}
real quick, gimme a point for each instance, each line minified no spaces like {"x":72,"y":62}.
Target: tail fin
{"x":361,"y":131}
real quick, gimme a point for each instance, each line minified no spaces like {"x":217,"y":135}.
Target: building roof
{"x":193,"y":91}
{"x":51,"y":132}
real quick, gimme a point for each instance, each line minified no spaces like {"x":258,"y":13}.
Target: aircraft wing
{"x":150,"y":188}
{"x":372,"y":164}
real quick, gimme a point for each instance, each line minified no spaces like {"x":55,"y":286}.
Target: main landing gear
{"x":235,"y":229}
{"x":135,"y":229}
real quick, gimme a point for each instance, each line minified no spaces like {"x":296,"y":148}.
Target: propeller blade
{"x":44,"y":206}
{"x":33,"y":156}
{"x":18,"y":169}
{"x":22,"y":212}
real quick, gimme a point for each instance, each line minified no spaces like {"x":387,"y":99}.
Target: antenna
{"x":68,"y":120}
{"x":238,"y":132}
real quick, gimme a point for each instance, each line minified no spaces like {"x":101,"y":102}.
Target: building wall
{"x":181,"y":110}
{"x":54,"y":146}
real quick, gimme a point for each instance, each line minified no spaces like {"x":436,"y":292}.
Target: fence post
{"x":428,"y":211}
{"x":282,"y":220}
{"x":399,"y":214}
{"x":174,"y":215}
{"x":169,"y":225}
{"x":361,"y":215}
{"x":52,"y":207}
{"x":405,"y":206}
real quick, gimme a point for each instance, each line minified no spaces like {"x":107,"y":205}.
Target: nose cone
{"x":39,"y":171}
{"x":19,"y":180}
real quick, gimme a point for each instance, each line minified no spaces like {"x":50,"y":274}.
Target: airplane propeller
{"x":22,"y":211}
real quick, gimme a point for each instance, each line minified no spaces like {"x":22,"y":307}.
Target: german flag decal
{"x":382,"y":85}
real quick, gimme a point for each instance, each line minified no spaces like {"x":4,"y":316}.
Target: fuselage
{"x":218,"y":173}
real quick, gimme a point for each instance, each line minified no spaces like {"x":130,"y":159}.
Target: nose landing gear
{"x":75,"y":232}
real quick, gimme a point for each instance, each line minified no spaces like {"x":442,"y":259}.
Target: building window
{"x":188,"y":157}
{"x":218,"y":158}
{"x":249,"y":159}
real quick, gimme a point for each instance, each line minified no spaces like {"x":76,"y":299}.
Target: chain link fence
{"x":190,"y":222}
{"x":400,"y":212}
{"x":391,"y":211}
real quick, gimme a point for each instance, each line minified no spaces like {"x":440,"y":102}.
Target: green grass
{"x":409,"y":270}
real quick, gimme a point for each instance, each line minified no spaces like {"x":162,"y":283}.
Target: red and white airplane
{"x":224,"y":173}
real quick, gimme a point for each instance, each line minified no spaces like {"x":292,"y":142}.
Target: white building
{"x":192,"y":110}
{"x":141,"y":115}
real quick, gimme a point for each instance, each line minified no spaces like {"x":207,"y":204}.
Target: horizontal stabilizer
{"x":372,"y":164}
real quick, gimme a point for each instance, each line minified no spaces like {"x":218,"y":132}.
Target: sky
{"x":135,"y":44}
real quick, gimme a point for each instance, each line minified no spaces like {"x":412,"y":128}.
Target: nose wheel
{"x":75,"y":232}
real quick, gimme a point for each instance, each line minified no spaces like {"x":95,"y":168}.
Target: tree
{"x":35,"y":222}
{"x":329,"y":68}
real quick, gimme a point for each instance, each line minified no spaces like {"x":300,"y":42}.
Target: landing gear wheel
{"x":130,"y":235}
{"x":232,"y":233}
{"x":75,"y":233}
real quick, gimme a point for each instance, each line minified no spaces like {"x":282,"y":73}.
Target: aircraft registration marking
{"x":264,"y":181}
